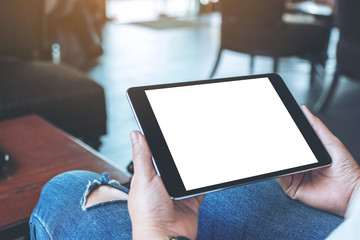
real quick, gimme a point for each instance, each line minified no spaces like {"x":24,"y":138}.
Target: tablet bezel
{"x":165,"y":165}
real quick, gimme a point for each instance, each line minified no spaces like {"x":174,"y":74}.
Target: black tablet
{"x":215,"y":134}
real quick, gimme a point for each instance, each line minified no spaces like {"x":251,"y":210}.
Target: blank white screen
{"x":221,"y":132}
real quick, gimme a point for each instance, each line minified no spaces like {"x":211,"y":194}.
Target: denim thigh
{"x":261,"y":211}
{"x":60,"y":212}
{"x":255,"y":211}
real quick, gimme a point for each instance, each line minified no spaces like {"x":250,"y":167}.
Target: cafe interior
{"x":70,"y":63}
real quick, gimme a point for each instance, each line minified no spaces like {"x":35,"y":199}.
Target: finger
{"x":326,"y":137}
{"x":290,"y":184}
{"x":310,"y":117}
{"x":285,"y":182}
{"x":143,"y":168}
{"x":201,"y":198}
{"x":332,"y":144}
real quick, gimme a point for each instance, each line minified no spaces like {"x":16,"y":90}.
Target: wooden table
{"x":38,"y":152}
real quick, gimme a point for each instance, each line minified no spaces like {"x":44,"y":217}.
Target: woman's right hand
{"x":329,"y":189}
{"x":154,"y":215}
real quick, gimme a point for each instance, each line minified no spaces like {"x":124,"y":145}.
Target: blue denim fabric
{"x":261,"y":211}
{"x":59,"y":213}
{"x":255,"y":211}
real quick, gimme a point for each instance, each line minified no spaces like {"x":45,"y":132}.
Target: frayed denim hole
{"x":111,"y":182}
{"x":123,"y":201}
{"x":118,"y":186}
{"x":89,"y":188}
{"x":104,"y":180}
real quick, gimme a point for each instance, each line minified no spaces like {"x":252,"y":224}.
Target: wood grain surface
{"x":38,"y":152}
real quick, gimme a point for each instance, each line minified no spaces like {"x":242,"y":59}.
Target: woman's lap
{"x":261,"y":211}
{"x":256,"y":211}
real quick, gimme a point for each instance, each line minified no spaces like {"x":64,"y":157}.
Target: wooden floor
{"x":137,"y":55}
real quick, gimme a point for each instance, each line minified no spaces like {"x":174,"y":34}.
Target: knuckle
{"x":291,"y":194}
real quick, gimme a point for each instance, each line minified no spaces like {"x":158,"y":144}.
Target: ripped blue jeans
{"x":256,"y":211}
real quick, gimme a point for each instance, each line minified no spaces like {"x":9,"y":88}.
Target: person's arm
{"x":329,"y":189}
{"x":153,"y":214}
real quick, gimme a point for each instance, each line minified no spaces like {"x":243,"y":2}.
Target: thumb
{"x":141,"y":154}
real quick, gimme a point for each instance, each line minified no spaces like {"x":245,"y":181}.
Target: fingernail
{"x":304,"y":108}
{"x":134,"y":136}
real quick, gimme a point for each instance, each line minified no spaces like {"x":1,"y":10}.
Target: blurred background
{"x":71,"y":61}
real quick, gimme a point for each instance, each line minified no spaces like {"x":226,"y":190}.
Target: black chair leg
{"x":317,"y":69}
{"x":325,"y":97}
{"x":252,"y":64}
{"x":216,"y":64}
{"x":276,"y":65}
{"x":312,"y":75}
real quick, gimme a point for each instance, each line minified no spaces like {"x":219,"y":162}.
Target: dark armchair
{"x":256,"y":27}
{"x":348,"y":49}
{"x":62,"y":95}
